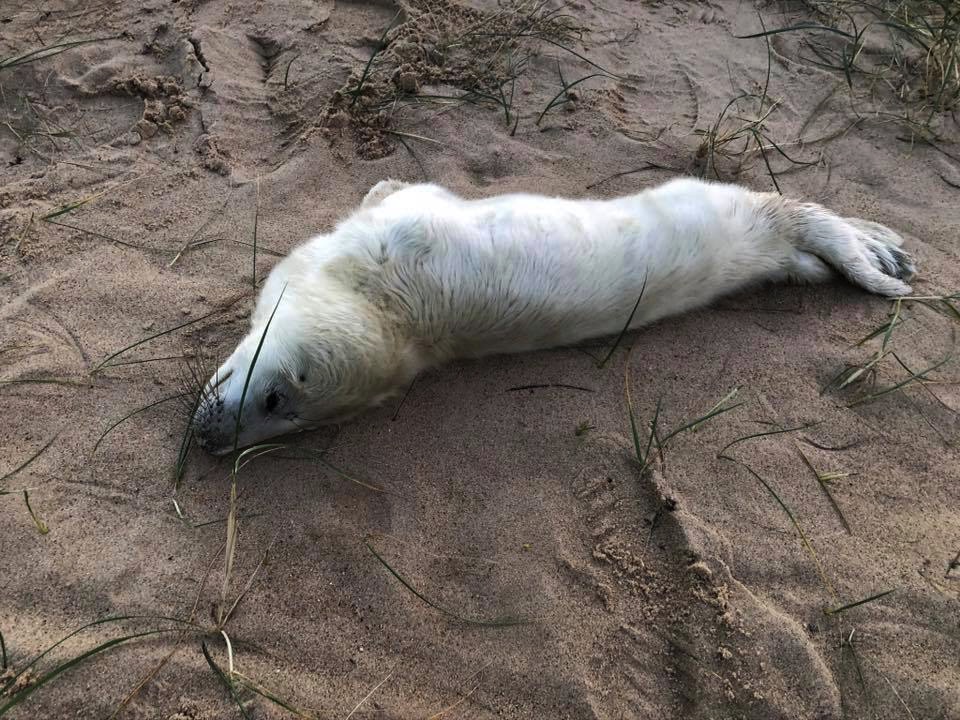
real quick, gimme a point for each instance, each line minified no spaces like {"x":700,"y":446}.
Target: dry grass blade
{"x":41,"y":525}
{"x":368,"y":696}
{"x":178,"y":643}
{"x":250,"y":580}
{"x":230,"y":553}
{"x":30,"y":459}
{"x":848,"y":606}
{"x":793,"y":519}
{"x":498,"y":622}
{"x":206,"y":223}
{"x":822,"y":481}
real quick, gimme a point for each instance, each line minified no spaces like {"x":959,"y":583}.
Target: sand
{"x":680,"y":591}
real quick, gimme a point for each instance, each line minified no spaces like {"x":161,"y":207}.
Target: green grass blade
{"x":256,"y":222}
{"x":3,"y":653}
{"x":554,"y":101}
{"x":715,"y":412}
{"x":626,"y":326}
{"x":18,"y":697}
{"x":500,"y":622}
{"x":253,"y":363}
{"x":49,"y":51}
{"x":793,"y":519}
{"x":30,"y":459}
{"x":132,"y":414}
{"x":227,"y":682}
{"x":41,"y":525}
{"x":115,"y":618}
{"x":794,"y":28}
{"x":264,"y":693}
{"x":842,"y":608}
{"x":779,"y":431}
{"x":194,"y":321}
{"x":922,"y":375}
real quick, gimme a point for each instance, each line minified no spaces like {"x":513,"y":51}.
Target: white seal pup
{"x":417,"y":276}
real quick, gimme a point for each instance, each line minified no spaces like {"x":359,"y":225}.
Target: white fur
{"x":417,"y":276}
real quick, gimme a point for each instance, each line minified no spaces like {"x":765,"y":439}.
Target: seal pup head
{"x":318,"y":352}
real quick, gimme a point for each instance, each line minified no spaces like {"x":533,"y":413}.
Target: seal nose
{"x":214,"y":426}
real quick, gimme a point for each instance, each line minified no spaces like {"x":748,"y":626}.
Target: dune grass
{"x":656,"y":440}
{"x":857,"y":374}
{"x":911,"y":48}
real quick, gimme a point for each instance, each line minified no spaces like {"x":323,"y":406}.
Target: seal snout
{"x":214,"y":423}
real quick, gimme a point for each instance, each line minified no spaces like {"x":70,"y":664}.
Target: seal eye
{"x":273,"y":399}
{"x":303,"y":377}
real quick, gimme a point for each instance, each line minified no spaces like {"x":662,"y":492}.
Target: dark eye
{"x":303,"y":377}
{"x":273,"y":399}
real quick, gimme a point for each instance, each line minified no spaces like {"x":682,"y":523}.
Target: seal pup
{"x":417,"y":276}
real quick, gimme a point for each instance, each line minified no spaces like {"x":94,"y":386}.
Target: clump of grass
{"x":481,"y":55}
{"x":583,"y":427}
{"x":656,"y":440}
{"x":916,"y":57}
{"x":856,"y":374}
{"x":739,"y":135}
